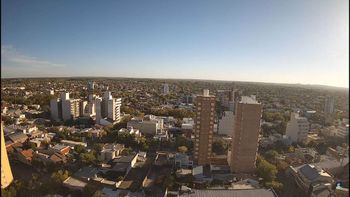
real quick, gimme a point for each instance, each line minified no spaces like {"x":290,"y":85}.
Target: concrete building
{"x":113,"y":109}
{"x":226,"y":124}
{"x":165,"y":88}
{"x":150,"y":124}
{"x":297,"y":128}
{"x":75,"y":108}
{"x":98,"y":109}
{"x":329,"y":109}
{"x":6,"y":173}
{"x":246,"y":132}
{"x":66,"y":107}
{"x":84,"y":108}
{"x":56,"y":109}
{"x":329,"y":105}
{"x":109,"y":107}
{"x":204,"y":126}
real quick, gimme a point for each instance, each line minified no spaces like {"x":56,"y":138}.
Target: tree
{"x":79,"y":149}
{"x":219,"y":147}
{"x":271,"y":155}
{"x":169,"y":182}
{"x":97,"y":147}
{"x":182,"y":149}
{"x":8,"y":192}
{"x":266,"y":170}
{"x":60,"y":176}
{"x":277,"y":186}
{"x":88,"y":158}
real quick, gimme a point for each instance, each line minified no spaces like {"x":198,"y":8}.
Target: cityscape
{"x":130,"y":115}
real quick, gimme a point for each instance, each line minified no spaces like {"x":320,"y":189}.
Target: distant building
{"x":150,"y":124}
{"x":108,"y":107}
{"x":110,"y":151}
{"x":246,"y":131}
{"x":329,"y":109}
{"x":329,"y":105}
{"x":297,"y":128}
{"x":64,"y":108}
{"x":56,"y":109}
{"x":226,"y":124}
{"x":165,"y":88}
{"x":6,"y":173}
{"x":204,"y":126}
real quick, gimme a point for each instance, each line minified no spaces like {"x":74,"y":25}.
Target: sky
{"x":289,"y":41}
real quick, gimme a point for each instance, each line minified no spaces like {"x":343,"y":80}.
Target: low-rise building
{"x":60,"y":148}
{"x":18,"y":137}
{"x":182,"y":161}
{"x":308,"y":174}
{"x":110,"y":151}
{"x":71,"y":143}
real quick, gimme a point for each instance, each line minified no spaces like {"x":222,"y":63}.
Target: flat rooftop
{"x":248,"y":100}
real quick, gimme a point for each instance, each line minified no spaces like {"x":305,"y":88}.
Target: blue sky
{"x":289,"y":41}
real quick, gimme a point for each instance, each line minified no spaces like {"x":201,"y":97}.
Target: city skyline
{"x":180,"y":40}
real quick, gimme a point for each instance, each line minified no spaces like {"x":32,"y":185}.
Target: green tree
{"x":277,"y":186}
{"x":266,"y":170}
{"x":88,"y":158}
{"x":271,"y":155}
{"x":79,"y":149}
{"x":60,"y":176}
{"x":219,"y":146}
{"x":182,"y":149}
{"x":169,"y":182}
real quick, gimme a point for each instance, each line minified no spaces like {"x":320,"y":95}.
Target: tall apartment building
{"x":98,"y":109}
{"x":6,"y":174}
{"x":165,"y":88}
{"x":56,"y":109}
{"x":297,"y":128}
{"x":329,"y":109}
{"x":329,"y":105}
{"x":244,"y":148}
{"x":75,"y":108}
{"x":113,"y":109}
{"x":64,"y":108}
{"x":204,"y":126}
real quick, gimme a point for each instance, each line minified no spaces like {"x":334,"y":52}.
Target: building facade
{"x":246,"y":132}
{"x":297,"y":128}
{"x":204,"y":126}
{"x":226,"y":124}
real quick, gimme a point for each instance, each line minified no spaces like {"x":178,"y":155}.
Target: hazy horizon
{"x":189,"y":79}
{"x":286,"y":42}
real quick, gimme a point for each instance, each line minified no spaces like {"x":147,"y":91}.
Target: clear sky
{"x":282,"y":41}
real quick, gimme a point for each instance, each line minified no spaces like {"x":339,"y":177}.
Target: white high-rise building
{"x":114,"y":105}
{"x":297,"y":128}
{"x":66,"y":107}
{"x":165,"y":88}
{"x":70,"y":107}
{"x":329,"y":105}
{"x":226,"y":124}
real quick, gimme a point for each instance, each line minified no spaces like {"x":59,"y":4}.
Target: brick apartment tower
{"x":245,"y":138}
{"x":204,"y":126}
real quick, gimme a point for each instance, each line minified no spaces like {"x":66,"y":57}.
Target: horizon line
{"x":198,"y":79}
